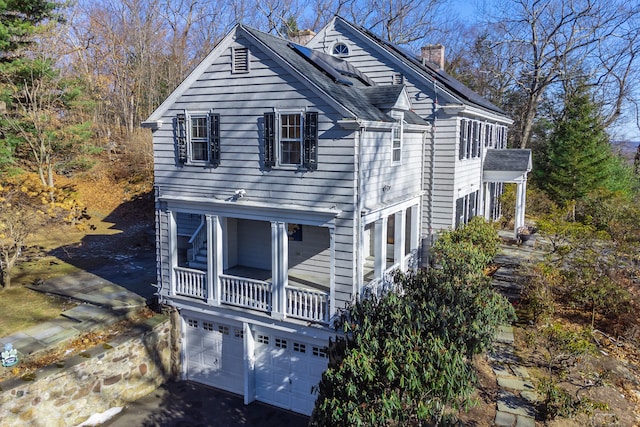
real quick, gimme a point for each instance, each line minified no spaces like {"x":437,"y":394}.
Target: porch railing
{"x":248,"y":293}
{"x":307,"y":304}
{"x":379,"y":286}
{"x":191,"y":283}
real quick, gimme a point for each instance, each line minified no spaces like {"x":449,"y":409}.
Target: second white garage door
{"x":286,"y":369}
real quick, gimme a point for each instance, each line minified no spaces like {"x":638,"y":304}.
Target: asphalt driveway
{"x":188,"y":404}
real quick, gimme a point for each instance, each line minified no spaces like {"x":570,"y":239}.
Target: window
{"x":466,"y":208}
{"x":291,"y":139}
{"x":396,"y":141}
{"x":224,"y":330}
{"x":207,"y":326}
{"x":192,"y":323}
{"x":470,"y":139}
{"x":340,"y":49}
{"x":320,"y":352}
{"x":197,"y":138}
{"x":240,"y":60}
{"x":238,"y":333}
{"x":299,"y":347}
{"x":263,"y":339}
{"x":280,"y":343}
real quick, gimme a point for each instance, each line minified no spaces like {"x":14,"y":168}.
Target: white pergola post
{"x":521,"y":200}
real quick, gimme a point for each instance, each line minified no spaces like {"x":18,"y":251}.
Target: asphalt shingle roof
{"x":516,"y":160}
{"x":353,"y":90}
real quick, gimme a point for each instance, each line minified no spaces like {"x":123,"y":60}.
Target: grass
{"x":23,"y":308}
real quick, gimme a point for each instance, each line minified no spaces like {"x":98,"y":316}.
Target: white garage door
{"x":214,"y":353}
{"x":286,"y":369}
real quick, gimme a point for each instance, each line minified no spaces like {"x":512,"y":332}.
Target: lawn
{"x":22,"y":308}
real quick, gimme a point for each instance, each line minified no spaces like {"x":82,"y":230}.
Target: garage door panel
{"x":213,"y":356}
{"x":286,"y":374}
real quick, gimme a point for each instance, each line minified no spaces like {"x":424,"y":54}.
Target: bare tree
{"x":16,"y":224}
{"x":555,"y":40}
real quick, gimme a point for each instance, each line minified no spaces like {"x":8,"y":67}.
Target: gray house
{"x":290,"y":179}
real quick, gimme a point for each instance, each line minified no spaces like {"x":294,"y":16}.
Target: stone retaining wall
{"x":110,"y":375}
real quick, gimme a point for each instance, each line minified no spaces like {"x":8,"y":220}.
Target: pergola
{"x":510,"y":167}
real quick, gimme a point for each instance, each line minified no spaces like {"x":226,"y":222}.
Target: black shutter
{"x":310,"y":149}
{"x":181,"y":137}
{"x":459,"y":211}
{"x":214,"y":139}
{"x":269,"y":140}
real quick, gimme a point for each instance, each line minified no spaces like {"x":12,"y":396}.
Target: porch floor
{"x":295,"y":279}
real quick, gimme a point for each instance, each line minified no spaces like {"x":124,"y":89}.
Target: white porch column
{"x":172,"y":243}
{"x":415,"y":233}
{"x":399,"y":237}
{"x":214,"y":259}
{"x":380,"y":247}
{"x":487,"y":202}
{"x":279,"y":268}
{"x":332,"y":272}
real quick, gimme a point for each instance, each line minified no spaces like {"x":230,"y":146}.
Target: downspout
{"x":426,"y":245}
{"x":358,"y":211}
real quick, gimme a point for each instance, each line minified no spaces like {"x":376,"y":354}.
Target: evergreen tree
{"x":18,"y":21}
{"x":579,"y":156}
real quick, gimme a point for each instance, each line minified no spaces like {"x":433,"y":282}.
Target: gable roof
{"x":336,"y":78}
{"x":349,"y":87}
{"x":425,"y":69}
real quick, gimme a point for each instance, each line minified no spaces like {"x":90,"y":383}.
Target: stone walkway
{"x":102,"y":303}
{"x":516,"y":395}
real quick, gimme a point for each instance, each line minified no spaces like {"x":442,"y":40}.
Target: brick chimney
{"x":433,"y":53}
{"x":302,"y":37}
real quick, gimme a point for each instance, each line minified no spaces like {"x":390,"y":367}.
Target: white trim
{"x":253,"y":210}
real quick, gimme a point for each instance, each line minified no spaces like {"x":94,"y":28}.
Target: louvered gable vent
{"x":240,"y":60}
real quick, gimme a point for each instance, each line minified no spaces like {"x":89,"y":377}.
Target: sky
{"x":627,"y":129}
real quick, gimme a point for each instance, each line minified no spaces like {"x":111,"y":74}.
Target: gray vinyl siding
{"x":386,"y":181}
{"x":442,"y":203}
{"x":254,"y":244}
{"x":241,"y":100}
{"x":162,"y":251}
{"x":310,"y":257}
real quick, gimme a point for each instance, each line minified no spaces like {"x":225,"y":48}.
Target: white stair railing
{"x":197,"y":241}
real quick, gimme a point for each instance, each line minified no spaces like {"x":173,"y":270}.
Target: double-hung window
{"x":396,"y":139}
{"x":198,"y":138}
{"x":291,"y":140}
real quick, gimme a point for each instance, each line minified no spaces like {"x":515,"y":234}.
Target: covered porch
{"x":282,"y":269}
{"x":390,"y":242}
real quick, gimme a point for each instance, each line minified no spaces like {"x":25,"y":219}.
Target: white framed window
{"x":291,"y":139}
{"x":396,"y":139}
{"x":340,"y":49}
{"x":197,"y":136}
